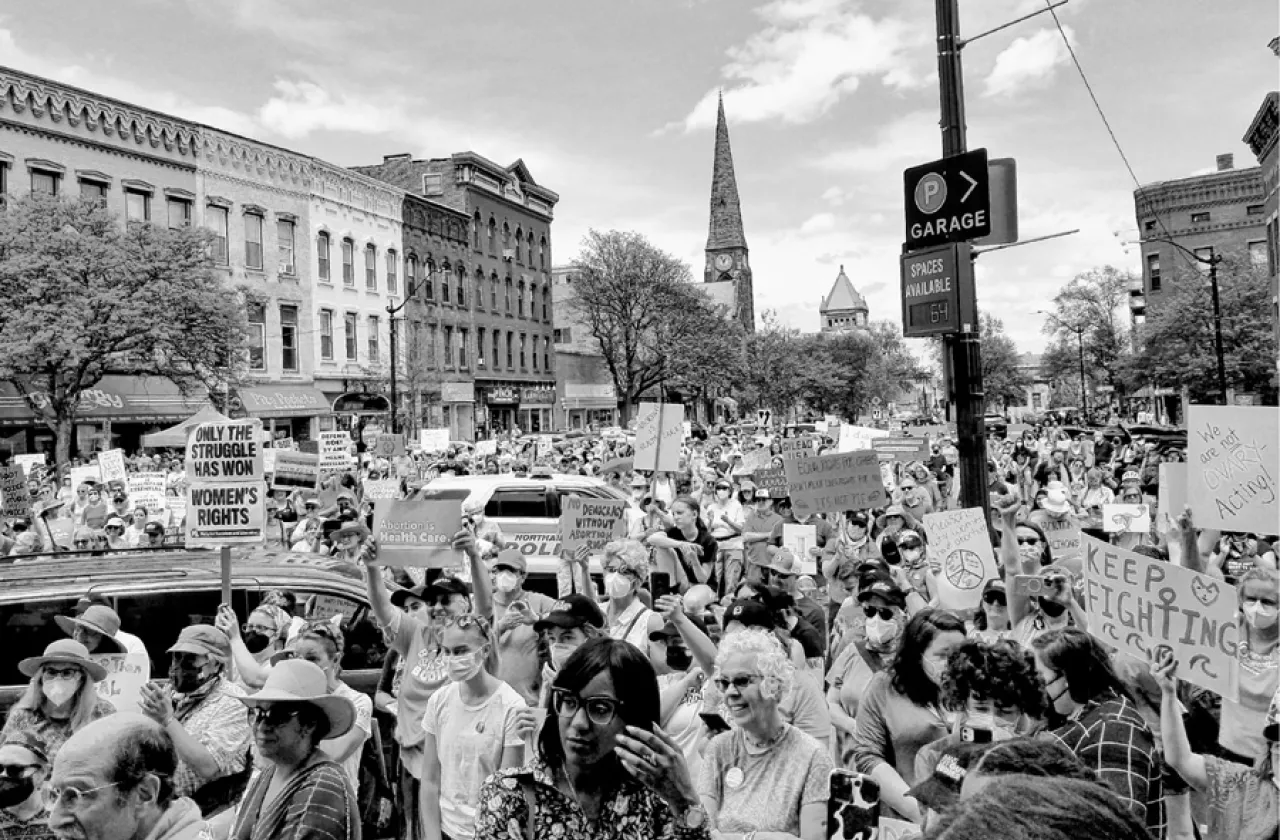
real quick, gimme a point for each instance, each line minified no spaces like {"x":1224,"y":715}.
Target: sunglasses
{"x":600,"y":710}
{"x":910,"y":545}
{"x":16,"y":772}
{"x":885,"y":613}
{"x":466,"y":622}
{"x":273,"y":716}
{"x":995,"y":598}
{"x":739,"y":682}
{"x":1028,"y":540}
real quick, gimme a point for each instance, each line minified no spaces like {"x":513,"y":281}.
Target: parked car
{"x":996,"y":424}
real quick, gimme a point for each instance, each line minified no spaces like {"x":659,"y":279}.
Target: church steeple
{"x":726,"y":214}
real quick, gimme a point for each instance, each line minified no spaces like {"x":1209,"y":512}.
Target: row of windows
{"x":1257,"y":257}
{"x":1204,"y":217}
{"x":521,"y":246}
{"x":137,"y":200}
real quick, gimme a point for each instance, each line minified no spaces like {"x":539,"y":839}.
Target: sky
{"x":612,"y":105}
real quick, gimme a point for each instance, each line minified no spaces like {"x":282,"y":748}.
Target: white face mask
{"x":1000,"y":730}
{"x":560,"y":653}
{"x":464,"y":666}
{"x":1260,"y":615}
{"x":506,"y":581}
{"x":617,"y":585}
{"x":881,"y":631}
{"x":60,"y":690}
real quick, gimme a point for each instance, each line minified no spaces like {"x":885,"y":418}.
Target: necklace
{"x":765,"y":745}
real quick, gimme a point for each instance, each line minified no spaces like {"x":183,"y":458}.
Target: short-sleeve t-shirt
{"x":364,"y":722}
{"x":518,"y":648}
{"x":424,"y":674}
{"x":764,"y":792}
{"x":469,"y":745}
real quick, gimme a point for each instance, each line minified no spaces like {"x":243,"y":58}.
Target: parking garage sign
{"x":947,"y":200}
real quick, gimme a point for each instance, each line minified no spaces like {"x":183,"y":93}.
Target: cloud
{"x":1028,"y":63}
{"x":835,"y":196}
{"x":907,"y":140}
{"x":809,"y":55}
{"x":819,"y":223}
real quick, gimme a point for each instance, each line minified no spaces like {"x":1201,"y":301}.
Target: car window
{"x":528,"y":502}
{"x":366,"y":647}
{"x":26,"y":629}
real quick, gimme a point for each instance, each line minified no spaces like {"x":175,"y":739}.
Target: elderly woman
{"x":764,"y":775}
{"x":62,"y":696}
{"x":626,"y":572}
{"x":301,"y":792}
{"x":604,"y":768}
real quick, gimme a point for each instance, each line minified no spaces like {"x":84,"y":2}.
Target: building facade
{"x":843,"y":309}
{"x":143,"y":165}
{"x":508,"y":264}
{"x":1261,"y":138}
{"x":584,"y":386}
{"x":727,"y":273}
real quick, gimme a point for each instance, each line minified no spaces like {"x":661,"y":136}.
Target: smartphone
{"x":853,"y":806}
{"x":659,"y":585}
{"x":714,"y":723}
{"x":1028,"y":585}
{"x":974,"y":735}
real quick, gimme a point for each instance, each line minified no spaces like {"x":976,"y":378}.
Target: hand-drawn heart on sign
{"x":1206,"y":593}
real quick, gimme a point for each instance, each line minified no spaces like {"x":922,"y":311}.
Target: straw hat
{"x":63,"y":652}
{"x":98,"y":618}
{"x":300,"y":681}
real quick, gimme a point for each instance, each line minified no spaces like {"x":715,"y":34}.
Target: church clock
{"x":724,"y":262}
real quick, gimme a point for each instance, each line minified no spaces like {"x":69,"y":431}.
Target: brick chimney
{"x":403,"y":157}
{"x":1225,"y":162}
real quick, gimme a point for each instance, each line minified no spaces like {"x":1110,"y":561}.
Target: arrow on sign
{"x":972,"y":184}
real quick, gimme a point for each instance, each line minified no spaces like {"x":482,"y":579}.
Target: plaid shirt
{"x":220,"y":722}
{"x":1112,"y":739}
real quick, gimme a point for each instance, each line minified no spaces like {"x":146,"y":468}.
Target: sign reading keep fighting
{"x":225,"y":452}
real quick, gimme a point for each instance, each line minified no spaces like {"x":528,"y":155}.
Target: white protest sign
{"x":659,"y":434}
{"x":111,"y":465}
{"x":225,"y":514}
{"x":295,"y":471}
{"x":85,"y":474}
{"x":1126,"y":519}
{"x":1233,"y":463}
{"x":177,"y":510}
{"x":126,"y":674}
{"x":829,"y":483}
{"x":960,"y":547}
{"x":855,"y":438}
{"x":13,"y":491}
{"x":591,"y":523}
{"x":801,"y":538}
{"x":434,"y":440}
{"x":417,"y":532}
{"x":1141,"y":605}
{"x":687,"y":426}
{"x":798,"y":447}
{"x":27,"y":461}
{"x":386,"y":488}
{"x":335,"y":451}
{"x":230,"y":451}
{"x":268,"y":460}
{"x":389,"y":446}
{"x":1172,"y":498}
{"x":757,"y":459}
{"x":486,"y":448}
{"x":327,"y":606}
{"x":146,"y":490}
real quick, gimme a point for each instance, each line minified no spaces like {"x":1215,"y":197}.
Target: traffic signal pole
{"x":964,"y":348}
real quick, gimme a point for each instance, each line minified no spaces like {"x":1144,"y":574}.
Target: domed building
{"x":843,"y":309}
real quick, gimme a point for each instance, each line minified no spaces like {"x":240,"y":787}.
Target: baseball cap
{"x":441,"y":586}
{"x":669,"y":630}
{"x":785,"y":562}
{"x":510,"y":557}
{"x":941,"y":789}
{"x":762,"y":494}
{"x":153,"y":529}
{"x":203,"y":639}
{"x":569,"y":612}
{"x":885,"y":591}
{"x":749,"y":614}
{"x":115,"y":522}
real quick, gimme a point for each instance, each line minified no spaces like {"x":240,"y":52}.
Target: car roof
{"x":478,"y":482}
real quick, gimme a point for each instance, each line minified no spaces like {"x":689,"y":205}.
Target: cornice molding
{"x":238,"y":157}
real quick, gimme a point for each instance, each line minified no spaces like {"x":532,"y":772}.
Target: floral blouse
{"x":634,"y":812}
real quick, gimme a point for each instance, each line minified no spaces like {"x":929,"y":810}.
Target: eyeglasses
{"x":1028,"y":540}
{"x":600,"y":710}
{"x":69,"y":798}
{"x":82,"y":543}
{"x":273,"y":716}
{"x":18,"y":771}
{"x":994,"y":598}
{"x":61,"y":673}
{"x":910,"y":545}
{"x":258,"y":628}
{"x":740,"y":682}
{"x":884,"y":612}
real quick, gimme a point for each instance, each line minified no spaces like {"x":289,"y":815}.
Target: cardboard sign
{"x":30,"y":460}
{"x":416,"y":532}
{"x":111,"y":465}
{"x":126,"y":674}
{"x":486,"y":448}
{"x":335,"y":451}
{"x":904,"y":450}
{"x":1233,"y":464}
{"x":327,"y":606}
{"x":1172,"y":497}
{"x":757,"y":459}
{"x":16,"y":499}
{"x":434,"y":440}
{"x":386,"y":488}
{"x":1064,"y":537}
{"x":960,"y":546}
{"x":591,"y":522}
{"x":774,"y":480}
{"x":177,"y":510}
{"x":855,"y":438}
{"x":311,"y":447}
{"x":146,"y":490}
{"x":1141,"y":605}
{"x":225,"y":514}
{"x":659,"y":435}
{"x":1126,"y":519}
{"x":798,"y":447}
{"x":801,"y":538}
{"x":389,"y":446}
{"x":225,"y":452}
{"x":847,"y":481}
{"x":295,"y":471}
{"x":84,"y":475}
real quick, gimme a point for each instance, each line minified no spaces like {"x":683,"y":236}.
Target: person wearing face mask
{"x":1258,"y":655}
{"x":1059,"y":522}
{"x":626,"y":569}
{"x":24,"y":767}
{"x":62,"y":696}
{"x":95,"y":511}
{"x":1102,"y":726}
{"x":726,"y":520}
{"x":514,"y":613}
{"x":851,"y":547}
{"x":991,"y":621}
{"x":201,"y":712}
{"x":679,"y":679}
{"x":916,"y":569}
{"x":475,"y":726}
{"x":757,"y":531}
{"x":571,"y":622}
{"x":883,"y":606}
{"x":253,"y":645}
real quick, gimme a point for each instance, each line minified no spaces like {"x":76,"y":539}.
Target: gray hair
{"x":775,"y":667}
{"x":143,"y":748}
{"x":632,"y":553}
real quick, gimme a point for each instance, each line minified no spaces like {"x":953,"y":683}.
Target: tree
{"x":86,"y":295}
{"x":1002,"y":378}
{"x":1089,"y":313}
{"x":776,"y":361}
{"x":708,"y":359}
{"x":1176,"y":344}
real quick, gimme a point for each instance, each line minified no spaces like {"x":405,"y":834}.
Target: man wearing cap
{"x":24,"y":768}
{"x":784,"y":573}
{"x":941,"y":789}
{"x":201,"y":713}
{"x":514,"y":614}
{"x":152,"y":535}
{"x":98,"y":629}
{"x":757,"y":531}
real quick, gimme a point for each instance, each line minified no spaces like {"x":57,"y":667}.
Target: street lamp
{"x":1078,"y":329}
{"x":392,"y":311}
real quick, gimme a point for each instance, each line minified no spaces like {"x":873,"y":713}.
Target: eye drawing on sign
{"x":964,"y":569}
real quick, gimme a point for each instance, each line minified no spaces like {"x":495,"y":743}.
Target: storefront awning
{"x":361,"y":403}
{"x":283,"y":401}
{"x":594,"y":403}
{"x":120,"y":399}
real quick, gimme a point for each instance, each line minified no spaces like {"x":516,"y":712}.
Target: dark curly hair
{"x":1003,"y":673}
{"x":907,"y":671}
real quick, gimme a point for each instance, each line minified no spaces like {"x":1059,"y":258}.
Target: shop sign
{"x":457,"y":392}
{"x":537,"y":396}
{"x":503,"y":396}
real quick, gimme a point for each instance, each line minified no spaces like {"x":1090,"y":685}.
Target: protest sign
{"x":126,"y":674}
{"x":85,"y":475}
{"x":335,"y":451}
{"x":659,"y":435}
{"x":757,"y":459}
{"x":434,"y":440}
{"x":225,"y":452}
{"x":417,"y":532}
{"x":389,"y":446}
{"x":801,"y":538}
{"x":111,"y":465}
{"x":311,"y":447}
{"x":855,"y":438}
{"x":773,"y":479}
{"x":28,"y":461}
{"x":13,"y":491}
{"x":225,"y":514}
{"x":1126,"y":519}
{"x":1233,"y":462}
{"x":146,"y":490}
{"x":904,"y":450}
{"x":486,"y":448}
{"x":798,"y":447}
{"x":177,"y":510}
{"x":847,"y":481}
{"x":688,"y":429}
{"x":385,"y":488}
{"x":324,"y":607}
{"x":1172,"y":498}
{"x":296,"y":471}
{"x":1141,"y":605}
{"x":591,"y":523}
{"x":268,"y":460}
{"x":1063,"y":533}
{"x":960,"y":547}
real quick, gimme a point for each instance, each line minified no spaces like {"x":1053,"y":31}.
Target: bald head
{"x":121,"y":749}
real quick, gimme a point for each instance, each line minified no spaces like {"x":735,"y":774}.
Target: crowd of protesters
{"x":708,"y":686}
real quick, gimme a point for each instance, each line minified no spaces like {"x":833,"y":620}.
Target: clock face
{"x":723,"y":261}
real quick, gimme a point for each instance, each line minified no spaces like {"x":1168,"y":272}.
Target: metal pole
{"x":965,"y":349}
{"x":1084,"y":399}
{"x":1217,"y":328}
{"x":395,"y":420}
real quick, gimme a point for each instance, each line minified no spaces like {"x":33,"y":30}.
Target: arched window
{"x":520,"y":299}
{"x":461,"y":285}
{"x":411,"y":275}
{"x":493,"y":300}
{"x":429,"y":279}
{"x":476,"y":224}
{"x":520,"y":246}
{"x":479,"y":287}
{"x":493,"y":229}
{"x":445,"y":271}
{"x":506,"y":235}
{"x":542,"y":253}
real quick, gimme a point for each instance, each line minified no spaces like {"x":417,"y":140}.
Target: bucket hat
{"x":63,"y":652}
{"x":98,"y":618}
{"x":300,"y":681}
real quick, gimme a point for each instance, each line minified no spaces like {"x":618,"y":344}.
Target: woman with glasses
{"x":765,"y":775}
{"x":475,"y":726}
{"x":254,"y":643}
{"x":991,"y":621}
{"x":24,"y":768}
{"x":301,"y":791}
{"x":1024,"y":550}
{"x":604,"y":769}
{"x":62,"y":696}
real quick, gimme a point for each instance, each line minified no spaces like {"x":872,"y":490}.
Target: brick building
{"x":843,"y":309}
{"x":584,"y":384}
{"x":509,"y":257}
{"x":1261,"y":138}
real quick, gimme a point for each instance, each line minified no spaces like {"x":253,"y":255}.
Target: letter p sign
{"x":931,"y":193}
